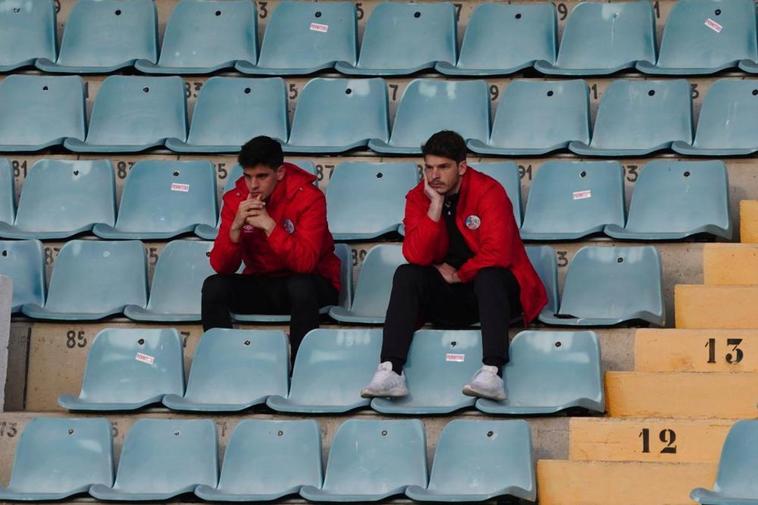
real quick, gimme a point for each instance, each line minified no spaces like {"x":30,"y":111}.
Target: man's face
{"x":443,"y":174}
{"x":262,"y":179}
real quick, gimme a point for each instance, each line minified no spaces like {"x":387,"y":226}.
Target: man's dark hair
{"x":261,"y":150}
{"x":447,"y":144}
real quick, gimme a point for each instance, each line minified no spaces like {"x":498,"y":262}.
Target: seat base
{"x":380,"y":146}
{"x":208,"y":493}
{"x":449,"y":69}
{"x":78,"y":146}
{"x":112,"y":233}
{"x":106,"y":493}
{"x":620,"y":233}
{"x":344,"y":315}
{"x":319,"y":495}
{"x":345,"y":68}
{"x":708,"y":497}
{"x":281,"y":404}
{"x":587,"y":150}
{"x":36,"y":312}
{"x":148,"y":67}
{"x":547,"y":68}
{"x":388,"y":406}
{"x":182,"y":404}
{"x":483,"y":148}
{"x":250,"y":69}
{"x":649,"y":68}
{"x":70,"y":402}
{"x":54,"y":68}
{"x":503,"y":408}
{"x":136,"y":313}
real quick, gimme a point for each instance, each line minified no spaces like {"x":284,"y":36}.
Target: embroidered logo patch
{"x":473,"y":222}
{"x":289,"y":226}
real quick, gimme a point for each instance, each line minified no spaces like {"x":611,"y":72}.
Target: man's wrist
{"x":269,"y":227}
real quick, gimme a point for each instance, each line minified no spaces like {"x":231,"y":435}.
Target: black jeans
{"x":299,"y":295}
{"x":420,"y":295}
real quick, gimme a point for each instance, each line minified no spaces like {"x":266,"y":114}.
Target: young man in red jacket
{"x":466,"y":263}
{"x":274,"y":220}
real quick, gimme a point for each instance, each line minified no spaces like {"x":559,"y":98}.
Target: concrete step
{"x":749,"y":221}
{"x":730,"y":264}
{"x":718,"y":307}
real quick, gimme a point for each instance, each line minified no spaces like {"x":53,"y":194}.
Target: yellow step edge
{"x":722,"y":307}
{"x":730,"y":264}
{"x":749,"y":221}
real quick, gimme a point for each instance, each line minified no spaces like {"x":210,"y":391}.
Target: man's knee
{"x":215,"y":288}
{"x":409,"y":275}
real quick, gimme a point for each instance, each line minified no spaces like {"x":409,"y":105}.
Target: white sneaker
{"x":486,"y":384}
{"x":385,"y":383}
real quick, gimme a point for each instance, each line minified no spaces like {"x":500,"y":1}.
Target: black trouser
{"x":420,"y":295}
{"x":299,"y":295}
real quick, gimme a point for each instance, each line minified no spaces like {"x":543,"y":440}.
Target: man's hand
{"x":251,"y":211}
{"x":259,"y":218}
{"x":448,"y":273}
{"x":436,"y":200}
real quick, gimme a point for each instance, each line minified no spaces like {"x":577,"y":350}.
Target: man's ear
{"x":462,"y":167}
{"x":280,"y":173}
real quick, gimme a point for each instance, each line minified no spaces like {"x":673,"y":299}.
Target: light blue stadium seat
{"x":7,"y":193}
{"x":366,"y":200}
{"x":182,"y":267}
{"x":502,"y":39}
{"x":254,"y":106}
{"x":604,"y":38}
{"x":606,"y":286}
{"x":728,"y":122}
{"x":372,"y":460}
{"x":163,"y":458}
{"x":357,"y":112}
{"x":62,"y":198}
{"x":233,"y":370}
{"x":431,"y":105}
{"x":37,"y":112}
{"x":57,"y":458}
{"x":551,"y":371}
{"x":128,"y":369}
{"x":640,"y":117}
{"x":164,"y":198}
{"x":94,"y":279}
{"x":439,"y":364}
{"x":673,"y":200}
{"x":372,"y":293}
{"x":203,"y":36}
{"x":507,"y":174}
{"x":306,"y":37}
{"x":543,"y":260}
{"x":403,"y":38}
{"x":537,"y":117}
{"x":132,"y":114}
{"x":24,"y":262}
{"x":27,"y":32}
{"x":706,"y":36}
{"x":267,"y":460}
{"x":481,"y":460}
{"x":569,"y":200}
{"x":104,"y":36}
{"x":330,"y":369}
{"x":735,"y":483}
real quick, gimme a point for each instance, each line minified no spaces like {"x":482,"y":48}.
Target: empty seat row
{"x":203,"y":36}
{"x":57,"y":458}
{"x":233,"y":370}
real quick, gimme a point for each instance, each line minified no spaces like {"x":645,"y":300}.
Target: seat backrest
{"x":208,"y":33}
{"x":182,"y":267}
{"x":305,"y":35}
{"x":544,"y":262}
{"x":736,"y":474}
{"x":729,"y":116}
{"x":67,"y":195}
{"x":431,"y":105}
{"x":357,"y":112}
{"x":168,"y":195}
{"x":27,"y":31}
{"x":132,"y":365}
{"x":265,"y":457}
{"x":7,"y":192}
{"x":507,"y":174}
{"x":57,"y":455}
{"x":344,"y":253}
{"x":24,"y":262}
{"x":372,"y":292}
{"x":238,"y":366}
{"x":374,"y":457}
{"x":104,"y":33}
{"x":165,"y":455}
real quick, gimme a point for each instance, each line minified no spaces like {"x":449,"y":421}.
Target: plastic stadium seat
{"x":551,"y":371}
{"x":404,"y":38}
{"x":7,"y":193}
{"x":727,"y":125}
{"x":610,"y":285}
{"x":27,"y":32}
{"x":128,"y":369}
{"x":637,"y":118}
{"x":24,"y":262}
{"x":603,"y":38}
{"x":203,"y":36}
{"x":735,"y":482}
{"x":163,"y":458}
{"x":357,"y":112}
{"x":507,"y":174}
{"x":132,"y":114}
{"x":233,"y":370}
{"x":254,"y":106}
{"x":537,"y":117}
{"x":569,"y":200}
{"x":481,"y":460}
{"x":94,"y":279}
{"x":306,"y":37}
{"x":60,"y":457}
{"x":372,"y":293}
{"x":372,"y":460}
{"x":266,"y":460}
{"x":544,"y":262}
{"x":182,"y":268}
{"x":164,"y":198}
{"x":673,"y":200}
{"x":502,"y":39}
{"x":37,"y":112}
{"x":431,"y":105}
{"x":439,"y":364}
{"x":366,"y":200}
{"x":62,"y":198}
{"x":103,"y":36}
{"x":330,"y":369}
{"x":706,"y":36}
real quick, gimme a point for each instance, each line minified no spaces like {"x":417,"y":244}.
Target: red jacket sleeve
{"x":425,"y":240}
{"x":301,"y":249}
{"x":226,"y":256}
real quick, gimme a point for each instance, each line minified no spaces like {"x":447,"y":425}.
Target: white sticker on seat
{"x":455,"y":357}
{"x":145,"y":358}
{"x":316,"y":27}
{"x":582,"y":195}
{"x":713,"y":25}
{"x":184,"y":188}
